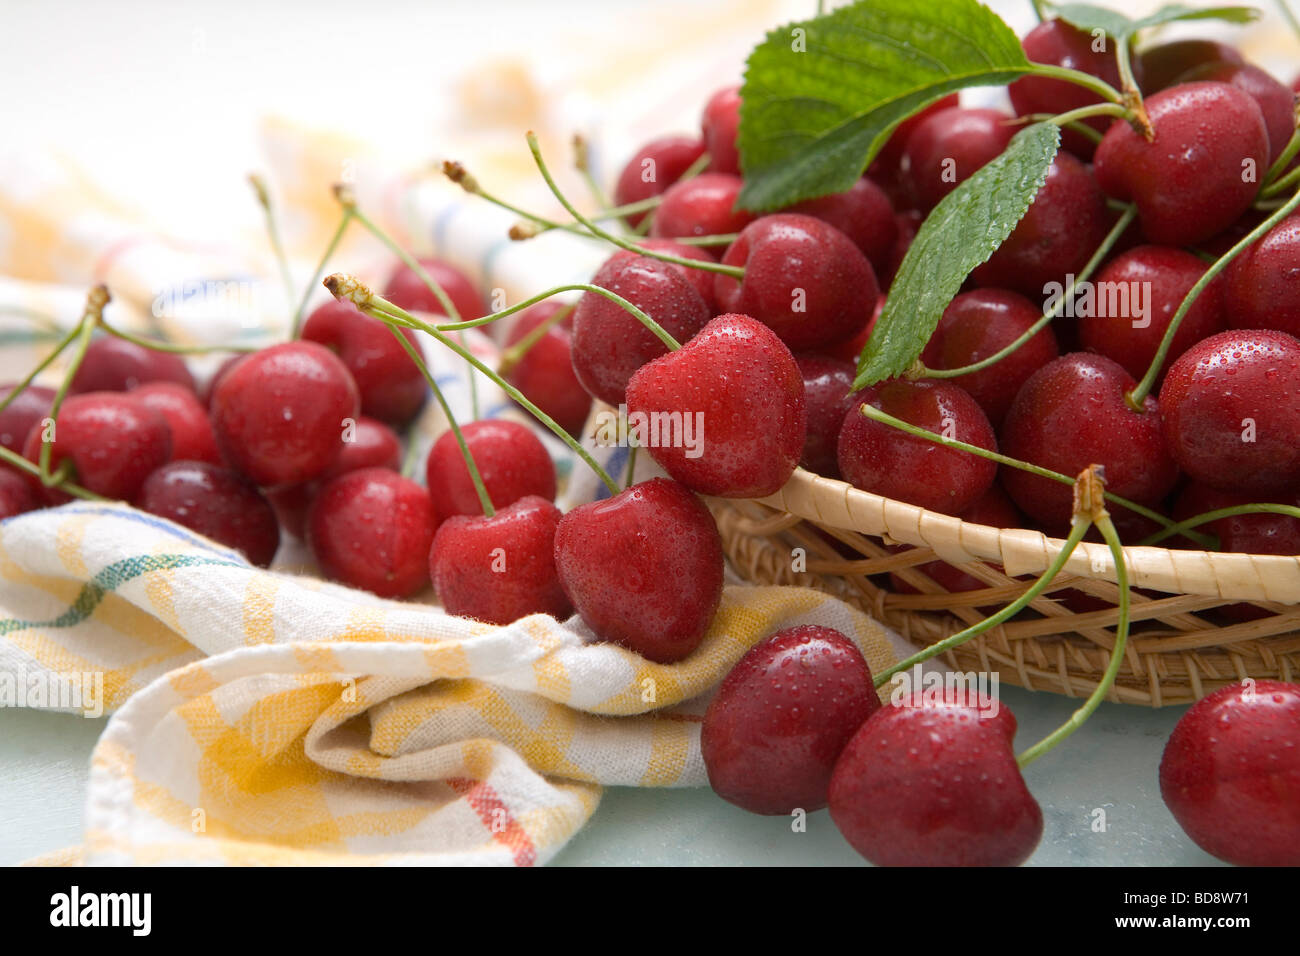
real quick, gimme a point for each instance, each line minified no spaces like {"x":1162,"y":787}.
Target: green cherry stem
{"x":582,"y":162}
{"x":1283,"y":161}
{"x":515,"y":353}
{"x":159,"y":346}
{"x":22,"y":464}
{"x":1282,"y":185}
{"x":733,"y":271}
{"x":1079,"y":78}
{"x":1103,"y":250}
{"x":300,"y":314}
{"x":1216,"y":514}
{"x":631,"y":468}
{"x":273,"y":232}
{"x":44,"y":364}
{"x":725,"y":239}
{"x":459,"y":175}
{"x":92,"y":317}
{"x":1138,"y":396}
{"x":1087,"y":112}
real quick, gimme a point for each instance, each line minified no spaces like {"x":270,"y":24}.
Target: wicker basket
{"x":1179,"y":650}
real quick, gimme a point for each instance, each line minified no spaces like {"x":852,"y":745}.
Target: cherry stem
{"x":348,"y":287}
{"x":532,"y":227}
{"x":1077,"y":532}
{"x":273,"y":232}
{"x":734,"y":271}
{"x":1080,"y":716}
{"x":159,"y":346}
{"x":22,"y":464}
{"x":885,"y":418}
{"x":631,"y":468}
{"x":93,"y":316}
{"x":1281,"y":185}
{"x":1215,"y":515}
{"x":1083,"y":129}
{"x":1103,"y":250}
{"x":724,"y":239}
{"x":515,"y":353}
{"x":485,"y":501}
{"x":1283,"y":161}
{"x":582,"y":162}
{"x":298,"y":316}
{"x":1079,"y":78}
{"x":1137,"y":397}
{"x":1087,"y":112}
{"x":44,"y":364}
{"x":660,"y":332}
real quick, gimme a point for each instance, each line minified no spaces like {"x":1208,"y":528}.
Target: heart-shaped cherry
{"x":724,"y":414}
{"x":215,"y":502}
{"x":510,"y":459}
{"x":702,"y":206}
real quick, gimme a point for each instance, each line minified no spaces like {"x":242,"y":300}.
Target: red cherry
{"x":702,"y":206}
{"x":982,"y":323}
{"x":279,"y":414}
{"x":407,"y":290}
{"x":1261,"y":533}
{"x":1189,"y":182}
{"x":1073,"y":413}
{"x":1231,"y":411}
{"x":951,"y":145}
{"x":1263,"y":283}
{"x":31,"y":405}
{"x":609,"y":344}
{"x":210,"y":386}
{"x":643,"y":568}
{"x":803,"y":278}
{"x":391,"y":385}
{"x":545,"y":372}
{"x":1275,"y":101}
{"x":718,"y":127}
{"x":113,"y":440}
{"x":372,"y":529}
{"x":701,"y":279}
{"x":827,"y":388}
{"x":1230,"y":773}
{"x":216,"y":503}
{"x":16,"y":494}
{"x":116,"y":365}
{"x":511,"y":460}
{"x":502,"y":568}
{"x":909,"y":224}
{"x":935,"y":783}
{"x":779,"y":720}
{"x":884,"y":168}
{"x":1159,"y":67}
{"x":737,"y":394}
{"x":1062,"y":229}
{"x":653,"y":168}
{"x":1160,"y":277}
{"x":191,"y":431}
{"x":863,"y":213}
{"x":886,"y":461}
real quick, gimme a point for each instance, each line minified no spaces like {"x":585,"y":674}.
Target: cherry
{"x":191,"y":431}
{"x":391,"y":385}
{"x":609,"y":344}
{"x":886,"y":461}
{"x":407,"y":290}
{"x":1230,"y":773}
{"x":511,"y":460}
{"x":851,"y":350}
{"x":1073,"y":413}
{"x":16,"y":494}
{"x":909,"y":224}
{"x":863,"y":213}
{"x":501,"y":568}
{"x":545,"y":372}
{"x":653,"y":168}
{"x":951,"y":145}
{"x":704,"y":205}
{"x":372,"y":529}
{"x":827,"y":390}
{"x":884,"y":169}
{"x":210,"y":386}
{"x":1263,"y":283}
{"x":1058,"y":43}
{"x":643,"y":568}
{"x":1153,"y":280}
{"x":979,"y":324}
{"x":31,"y":406}
{"x":737,"y":389}
{"x":1159,"y":67}
{"x":1275,"y":101}
{"x":371,"y":444}
{"x":1059,"y":233}
{"x":279,"y":414}
{"x":113,"y":364}
{"x":216,"y":503}
{"x":1191,"y":181}
{"x":935,"y":783}
{"x":112,"y":439}
{"x":778,"y":722}
{"x":1260,"y":533}
{"x":1231,"y":411}
{"x":718,"y":127}
{"x":701,"y":279}
{"x":803,"y":278}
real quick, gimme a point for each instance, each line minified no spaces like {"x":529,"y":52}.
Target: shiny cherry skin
{"x":408,"y":291}
{"x":951,"y":145}
{"x":884,"y":169}
{"x":827,"y":390}
{"x":700,"y":279}
{"x":704,"y":205}
{"x":781,"y":717}
{"x":510,"y":459}
{"x":804,"y":279}
{"x":216,"y":503}
{"x":886,"y":461}
{"x":1275,"y":101}
{"x":545,"y":372}
{"x":1159,"y":67}
{"x":1263,"y":283}
{"x":1230,"y":773}
{"x":863,"y":213}
{"x":32,"y":404}
{"x":116,"y":365}
{"x":17,"y":495}
{"x":279,"y":414}
{"x":1231,"y":411}
{"x":372,"y":529}
{"x":718,"y":128}
{"x":501,"y":568}
{"x":643,"y":568}
{"x":653,"y":168}
{"x":191,"y":430}
{"x":1189,"y":182}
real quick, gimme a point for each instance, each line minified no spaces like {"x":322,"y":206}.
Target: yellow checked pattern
{"x":268,"y":718}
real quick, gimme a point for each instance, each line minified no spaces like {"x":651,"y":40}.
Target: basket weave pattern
{"x":1178,"y":651}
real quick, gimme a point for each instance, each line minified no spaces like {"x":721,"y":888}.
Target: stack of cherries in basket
{"x":750,"y":325}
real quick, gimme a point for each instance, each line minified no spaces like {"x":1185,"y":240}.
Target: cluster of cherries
{"x":759,"y":343}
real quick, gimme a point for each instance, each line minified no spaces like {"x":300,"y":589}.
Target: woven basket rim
{"x":837,"y":504}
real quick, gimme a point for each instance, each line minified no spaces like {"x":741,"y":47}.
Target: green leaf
{"x":1085,"y":16}
{"x":821,"y":96}
{"x":961,"y":233}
